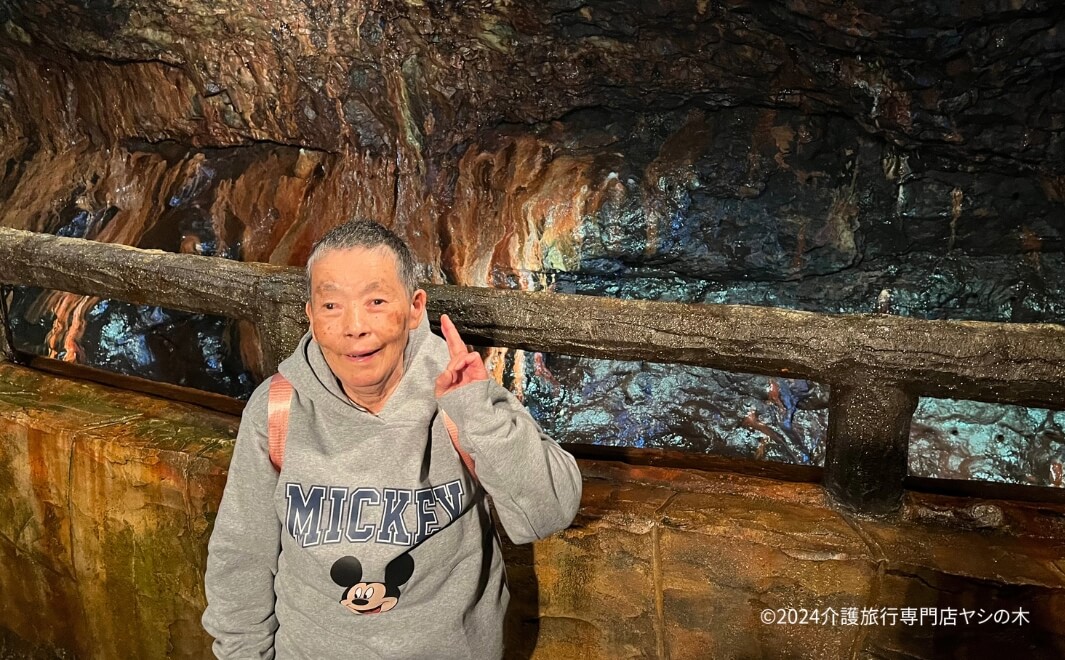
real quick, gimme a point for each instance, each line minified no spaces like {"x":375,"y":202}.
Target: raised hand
{"x":465,"y":366}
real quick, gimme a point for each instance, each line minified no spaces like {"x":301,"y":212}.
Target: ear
{"x":346,"y":571}
{"x":399,"y":570}
{"x":310,"y":319}
{"x":417,"y":308}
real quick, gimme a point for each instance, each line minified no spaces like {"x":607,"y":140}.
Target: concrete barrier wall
{"x":107,"y":499}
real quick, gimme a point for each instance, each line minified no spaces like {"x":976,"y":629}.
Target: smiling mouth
{"x":362,"y":356}
{"x":373,"y":611}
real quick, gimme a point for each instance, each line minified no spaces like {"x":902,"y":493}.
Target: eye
{"x":329,"y":305}
{"x":378,"y":301}
{"x":369,"y":593}
{"x":358,"y":592}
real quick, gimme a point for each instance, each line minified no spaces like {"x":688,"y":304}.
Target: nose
{"x":354,"y":321}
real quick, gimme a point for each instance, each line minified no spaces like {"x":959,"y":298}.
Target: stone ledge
{"x":107,"y":497}
{"x":106,"y":501}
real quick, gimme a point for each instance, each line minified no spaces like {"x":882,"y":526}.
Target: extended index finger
{"x":455,"y":345}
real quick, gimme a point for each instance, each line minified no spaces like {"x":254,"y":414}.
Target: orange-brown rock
{"x":106,"y":501}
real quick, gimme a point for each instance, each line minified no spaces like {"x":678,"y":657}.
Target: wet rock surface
{"x":902,"y":158}
{"x":106,"y":508}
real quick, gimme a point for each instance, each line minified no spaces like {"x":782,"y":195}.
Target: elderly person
{"x":368,"y":534}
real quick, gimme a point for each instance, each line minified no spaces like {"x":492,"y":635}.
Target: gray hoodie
{"x":374,"y":541}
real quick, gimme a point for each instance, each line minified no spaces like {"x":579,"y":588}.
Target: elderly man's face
{"x":360,"y":315}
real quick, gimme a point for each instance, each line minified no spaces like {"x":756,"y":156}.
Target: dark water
{"x":193,"y":350}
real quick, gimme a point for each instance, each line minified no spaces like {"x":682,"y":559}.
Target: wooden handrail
{"x":877,"y":365}
{"x":1021,"y":364}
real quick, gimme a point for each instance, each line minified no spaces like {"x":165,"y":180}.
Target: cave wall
{"x":897,"y":157}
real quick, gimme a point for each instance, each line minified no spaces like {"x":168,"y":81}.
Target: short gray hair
{"x":367,"y":234}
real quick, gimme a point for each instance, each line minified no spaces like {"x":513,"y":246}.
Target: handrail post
{"x":7,"y":349}
{"x":278,"y":337}
{"x":6,"y":352}
{"x":279,"y":319}
{"x":866,"y":458}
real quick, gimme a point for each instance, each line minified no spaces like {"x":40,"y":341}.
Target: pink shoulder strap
{"x":453,"y":433}
{"x":277,"y":409}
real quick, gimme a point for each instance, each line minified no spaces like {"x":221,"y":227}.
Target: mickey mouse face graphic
{"x":371,"y":597}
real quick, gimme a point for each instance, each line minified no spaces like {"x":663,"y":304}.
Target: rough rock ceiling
{"x":974,"y":83}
